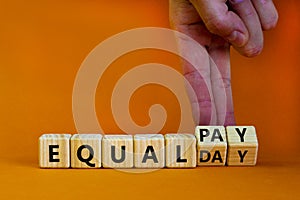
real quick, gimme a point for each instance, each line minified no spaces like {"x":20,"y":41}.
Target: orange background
{"x":42,"y":44}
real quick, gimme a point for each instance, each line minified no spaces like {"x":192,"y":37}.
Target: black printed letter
{"x":113,"y":154}
{"x":86,"y":160}
{"x":152,"y":156}
{"x":52,"y":153}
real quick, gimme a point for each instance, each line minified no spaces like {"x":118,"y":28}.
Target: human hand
{"x":215,"y":25}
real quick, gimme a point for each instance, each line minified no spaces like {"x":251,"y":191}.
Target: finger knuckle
{"x":249,"y":13}
{"x":215,"y":24}
{"x":203,"y":102}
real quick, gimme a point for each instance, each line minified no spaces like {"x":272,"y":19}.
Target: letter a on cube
{"x":149,"y":151}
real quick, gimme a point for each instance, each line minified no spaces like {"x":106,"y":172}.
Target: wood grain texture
{"x":242,"y":145}
{"x":86,"y":151}
{"x":54,"y":151}
{"x":211,"y":145}
{"x":180,"y":150}
{"x":117,"y":151}
{"x":149,"y":151}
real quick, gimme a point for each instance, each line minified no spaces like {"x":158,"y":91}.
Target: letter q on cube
{"x":86,"y":150}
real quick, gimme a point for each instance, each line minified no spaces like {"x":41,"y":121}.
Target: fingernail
{"x":237,"y":38}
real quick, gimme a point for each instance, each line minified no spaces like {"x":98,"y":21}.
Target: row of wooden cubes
{"x":210,"y":146}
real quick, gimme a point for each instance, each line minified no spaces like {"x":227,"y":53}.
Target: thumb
{"x":221,"y":21}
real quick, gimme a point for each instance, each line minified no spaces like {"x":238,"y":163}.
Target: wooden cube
{"x":86,"y":151}
{"x":180,"y":150}
{"x":242,"y":145}
{"x":54,"y":151}
{"x":211,"y":145}
{"x":149,"y":151}
{"x":117,"y":151}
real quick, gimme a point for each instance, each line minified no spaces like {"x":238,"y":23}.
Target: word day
{"x":209,"y":146}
